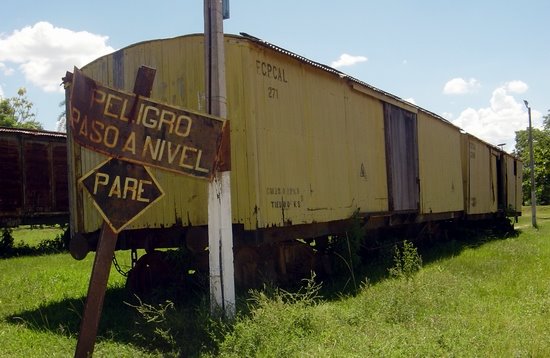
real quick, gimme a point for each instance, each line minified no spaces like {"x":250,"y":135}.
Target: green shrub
{"x":403,"y":303}
{"x":58,"y":244}
{"x":407,"y":261}
{"x":6,"y":241}
{"x":277,"y":318}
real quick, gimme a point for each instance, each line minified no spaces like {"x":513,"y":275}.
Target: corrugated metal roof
{"x":33,"y":132}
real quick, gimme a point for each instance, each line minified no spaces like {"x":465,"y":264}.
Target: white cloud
{"x":516,"y":87}
{"x":410,"y":100}
{"x":44,"y":52}
{"x":447,"y":115}
{"x":1,"y":92}
{"x":7,"y":71}
{"x":498,"y":123}
{"x":461,"y":86}
{"x":348,"y":60}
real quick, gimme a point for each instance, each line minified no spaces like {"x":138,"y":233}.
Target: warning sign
{"x":121,"y":191}
{"x":140,"y":130}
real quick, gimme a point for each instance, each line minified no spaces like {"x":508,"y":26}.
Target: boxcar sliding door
{"x":402,"y":158}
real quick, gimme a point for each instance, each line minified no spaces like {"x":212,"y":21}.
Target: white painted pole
{"x":220,"y":233}
{"x":532,"y":168}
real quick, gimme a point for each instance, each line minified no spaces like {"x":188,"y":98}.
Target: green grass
{"x":488,"y":300}
{"x":33,"y":236}
{"x":41,"y":301}
{"x":471,"y":298}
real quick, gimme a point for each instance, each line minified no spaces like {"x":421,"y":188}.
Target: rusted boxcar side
{"x":310,"y":146}
{"x":480,"y":176}
{"x":512,"y":172}
{"x":491,"y":179}
{"x":440,"y":167}
{"x":34,"y":177}
{"x":306,"y":148}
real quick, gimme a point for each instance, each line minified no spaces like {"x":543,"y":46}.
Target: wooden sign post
{"x":133,"y":131}
{"x":104,"y":255}
{"x":96,"y":292}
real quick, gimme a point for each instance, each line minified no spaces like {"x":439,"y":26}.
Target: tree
{"x":7,"y":114}
{"x":546,"y":121}
{"x":17,"y":112}
{"x":541,"y":158}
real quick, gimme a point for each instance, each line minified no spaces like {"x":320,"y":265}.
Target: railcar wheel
{"x":296,"y":262}
{"x":79,"y":247}
{"x":246,"y":268}
{"x":150,"y":273}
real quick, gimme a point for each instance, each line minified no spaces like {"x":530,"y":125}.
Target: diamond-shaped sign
{"x":121,"y":191}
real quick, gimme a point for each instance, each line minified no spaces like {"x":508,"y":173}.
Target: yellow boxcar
{"x":513,"y":168}
{"x":310,"y":147}
{"x":492,"y":179}
{"x":306,"y":146}
{"x":480,"y":176}
{"x":439,"y":147}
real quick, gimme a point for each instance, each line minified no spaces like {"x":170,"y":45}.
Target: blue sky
{"x":472,"y":62}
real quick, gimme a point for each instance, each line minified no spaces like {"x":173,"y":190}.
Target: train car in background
{"x":310,"y":148}
{"x":33,"y":179}
{"x":492,"y":180}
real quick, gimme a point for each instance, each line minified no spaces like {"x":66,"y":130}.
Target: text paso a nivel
{"x":123,"y":125}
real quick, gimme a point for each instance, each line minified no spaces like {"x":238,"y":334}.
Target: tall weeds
{"x":403,"y":304}
{"x":406,"y":261}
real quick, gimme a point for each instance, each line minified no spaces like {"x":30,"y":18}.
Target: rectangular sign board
{"x":137,"y":129}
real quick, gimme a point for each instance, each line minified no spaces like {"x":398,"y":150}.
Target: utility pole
{"x":532,"y":167}
{"x":220,"y":223}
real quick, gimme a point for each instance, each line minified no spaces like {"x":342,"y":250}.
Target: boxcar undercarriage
{"x":279,"y":255}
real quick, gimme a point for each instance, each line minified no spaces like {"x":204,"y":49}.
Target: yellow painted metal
{"x":513,"y":183}
{"x":480,"y":175}
{"x":318,"y":146}
{"x":177,"y":82}
{"x":305,"y":145}
{"x":511,"y":178}
{"x":519,"y":188}
{"x":441,"y":187}
{"x":367,"y":170}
